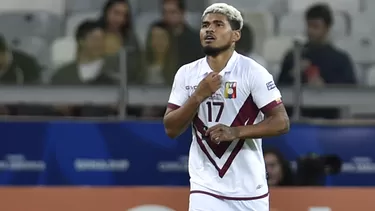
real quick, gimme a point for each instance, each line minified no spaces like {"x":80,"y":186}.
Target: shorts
{"x":204,"y":202}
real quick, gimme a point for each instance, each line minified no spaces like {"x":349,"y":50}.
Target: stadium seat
{"x":74,"y":20}
{"x":34,"y":46}
{"x":371,"y":77}
{"x":31,"y":23}
{"x":293,"y":24}
{"x":142,"y":24}
{"x":141,"y":6}
{"x":368,"y":5}
{"x":362,"y":24}
{"x":240,"y":3}
{"x":259,"y":5}
{"x":274,"y":50}
{"x":196,"y":6}
{"x":194,"y":19}
{"x":279,"y":7}
{"x":56,"y":7}
{"x":134,"y":7}
{"x":361,"y":49}
{"x":247,"y":4}
{"x":148,"y":6}
{"x":262,"y":24}
{"x":63,"y":50}
{"x":74,"y":6}
{"x":349,"y":6}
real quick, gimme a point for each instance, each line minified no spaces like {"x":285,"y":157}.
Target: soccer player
{"x":232,"y":102}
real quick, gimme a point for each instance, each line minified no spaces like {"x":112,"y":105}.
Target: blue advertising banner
{"x":355,"y":145}
{"x":139,"y":153}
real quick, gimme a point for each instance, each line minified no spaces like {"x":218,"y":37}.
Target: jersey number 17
{"x":210,"y":105}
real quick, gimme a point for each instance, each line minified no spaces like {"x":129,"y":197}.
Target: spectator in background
{"x":161,"y":64}
{"x":160,"y":56}
{"x":118,"y":30}
{"x":245,"y":45}
{"x":16,"y":67}
{"x":187,"y":39}
{"x":322,"y":63}
{"x":90,"y":66}
{"x":278,"y":168}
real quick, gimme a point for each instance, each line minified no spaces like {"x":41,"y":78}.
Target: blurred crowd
{"x":171,"y":41}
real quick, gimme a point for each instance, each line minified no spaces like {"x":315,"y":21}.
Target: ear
{"x":236,"y":35}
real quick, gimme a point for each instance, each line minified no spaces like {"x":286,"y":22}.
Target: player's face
{"x":274,"y":169}
{"x":216,"y":34}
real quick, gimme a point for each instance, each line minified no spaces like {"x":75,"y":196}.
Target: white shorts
{"x":204,"y":202}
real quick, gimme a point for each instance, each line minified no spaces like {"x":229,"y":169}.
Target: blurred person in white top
{"x":231,"y":102}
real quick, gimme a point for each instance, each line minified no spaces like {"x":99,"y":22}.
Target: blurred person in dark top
{"x":91,"y":67}
{"x":245,"y":45}
{"x":16,"y":68}
{"x":187,"y":39}
{"x":321,"y":62}
{"x":278,"y":168}
{"x":116,"y":21}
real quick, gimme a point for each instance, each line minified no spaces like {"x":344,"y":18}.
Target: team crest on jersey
{"x":230,"y":91}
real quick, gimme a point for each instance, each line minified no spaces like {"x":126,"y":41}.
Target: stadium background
{"x":124,"y":160}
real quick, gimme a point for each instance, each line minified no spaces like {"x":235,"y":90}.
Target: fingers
{"x":213,"y":128}
{"x":216,"y":137}
{"x":213,"y":76}
{"x":216,"y":78}
{"x":216,"y":82}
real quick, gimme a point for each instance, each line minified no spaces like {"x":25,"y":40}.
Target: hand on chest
{"x":230,"y":88}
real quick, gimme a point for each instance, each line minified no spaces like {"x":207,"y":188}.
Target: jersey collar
{"x":230,"y":65}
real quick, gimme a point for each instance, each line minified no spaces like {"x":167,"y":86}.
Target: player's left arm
{"x":267,"y":97}
{"x":276,"y":123}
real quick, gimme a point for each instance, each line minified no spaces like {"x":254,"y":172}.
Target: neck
{"x":87,"y":58}
{"x":219,"y":62}
{"x":321,"y":42}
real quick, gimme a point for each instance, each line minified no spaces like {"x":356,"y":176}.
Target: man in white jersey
{"x":232,"y":102}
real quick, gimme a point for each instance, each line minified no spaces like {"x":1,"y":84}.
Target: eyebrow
{"x":215,"y":21}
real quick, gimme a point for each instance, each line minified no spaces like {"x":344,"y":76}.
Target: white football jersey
{"x":230,"y":170}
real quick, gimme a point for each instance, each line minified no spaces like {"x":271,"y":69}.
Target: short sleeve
{"x":264,"y":91}
{"x":179,"y":93}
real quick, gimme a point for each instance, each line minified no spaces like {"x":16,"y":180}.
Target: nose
{"x":210,"y":28}
{"x":209,"y":31}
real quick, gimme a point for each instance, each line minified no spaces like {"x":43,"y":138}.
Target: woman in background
{"x":161,"y":64}
{"x":278,"y":168}
{"x":117,"y":24}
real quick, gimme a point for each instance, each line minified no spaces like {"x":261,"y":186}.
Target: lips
{"x":209,"y":37}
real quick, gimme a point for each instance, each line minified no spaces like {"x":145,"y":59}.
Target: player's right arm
{"x":181,"y":107}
